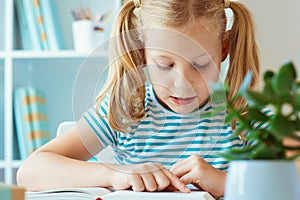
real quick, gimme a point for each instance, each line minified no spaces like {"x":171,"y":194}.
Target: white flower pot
{"x":262,"y":180}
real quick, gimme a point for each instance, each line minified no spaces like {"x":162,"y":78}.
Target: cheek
{"x":201,"y":83}
{"x":209,"y":75}
{"x":201,"y":88}
{"x":160,"y":77}
{"x":161,"y":92}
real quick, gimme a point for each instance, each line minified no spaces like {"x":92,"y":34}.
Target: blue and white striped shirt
{"x":166,"y":137}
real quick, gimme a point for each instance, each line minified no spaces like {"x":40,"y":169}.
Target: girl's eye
{"x":164,"y":66}
{"x":201,"y":66}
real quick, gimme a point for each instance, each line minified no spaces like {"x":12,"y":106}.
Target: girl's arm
{"x":62,"y":163}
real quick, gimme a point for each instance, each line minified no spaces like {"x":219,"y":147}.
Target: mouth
{"x":182,"y":101}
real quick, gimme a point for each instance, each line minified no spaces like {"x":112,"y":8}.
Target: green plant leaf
{"x":282,"y":93}
{"x":295,"y":124}
{"x":233,"y":113}
{"x":265,"y":152}
{"x":280,"y":126}
{"x":255,"y":134}
{"x":256,"y":99}
{"x":298,"y":84}
{"x":285,"y":98}
{"x":238,"y":154}
{"x":229,"y":117}
{"x":215,"y":111}
{"x":256,"y":114}
{"x":268,"y":89}
{"x":284,"y":79}
{"x":219,"y":93}
{"x":268,"y":76}
{"x":296,"y":102}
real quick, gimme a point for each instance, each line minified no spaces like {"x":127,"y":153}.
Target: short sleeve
{"x":97,"y":121}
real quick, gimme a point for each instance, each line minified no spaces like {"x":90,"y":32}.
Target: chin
{"x":183,"y":109}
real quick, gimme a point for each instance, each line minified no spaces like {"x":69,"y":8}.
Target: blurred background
{"x":278,"y":31}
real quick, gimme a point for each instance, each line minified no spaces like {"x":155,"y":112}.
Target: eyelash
{"x":167,"y":67}
{"x":201,"y":66}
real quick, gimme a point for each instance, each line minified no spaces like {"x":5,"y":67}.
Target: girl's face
{"x":182,"y":63}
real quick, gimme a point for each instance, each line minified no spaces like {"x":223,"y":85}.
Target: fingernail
{"x":187,"y":189}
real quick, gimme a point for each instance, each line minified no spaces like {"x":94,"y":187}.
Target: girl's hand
{"x":194,"y":170}
{"x":144,"y":177}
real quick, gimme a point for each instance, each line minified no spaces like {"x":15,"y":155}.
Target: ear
{"x":225,"y":45}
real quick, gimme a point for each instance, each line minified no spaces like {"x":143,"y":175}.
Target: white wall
{"x":278,"y":26}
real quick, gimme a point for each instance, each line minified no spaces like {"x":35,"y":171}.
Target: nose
{"x":184,"y":77}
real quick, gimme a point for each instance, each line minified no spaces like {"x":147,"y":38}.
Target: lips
{"x":182,"y":101}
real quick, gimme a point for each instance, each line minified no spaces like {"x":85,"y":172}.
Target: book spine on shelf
{"x":52,"y":25}
{"x":23,"y":126}
{"x":23,"y":26}
{"x":38,"y":117}
{"x":40,"y":24}
{"x":11,"y":192}
{"x":32,"y":25}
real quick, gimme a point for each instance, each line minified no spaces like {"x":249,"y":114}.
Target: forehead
{"x":190,"y":41}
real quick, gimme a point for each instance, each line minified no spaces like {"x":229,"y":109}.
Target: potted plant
{"x":263,"y":170}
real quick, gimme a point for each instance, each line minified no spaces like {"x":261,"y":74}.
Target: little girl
{"x":159,"y":133}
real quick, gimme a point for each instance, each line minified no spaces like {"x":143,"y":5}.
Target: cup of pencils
{"x":88,"y":33}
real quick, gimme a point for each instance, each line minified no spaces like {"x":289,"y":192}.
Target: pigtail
{"x":126,"y":79}
{"x":243,"y":51}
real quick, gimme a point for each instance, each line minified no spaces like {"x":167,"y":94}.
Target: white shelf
{"x":2,"y":55}
{"x":16,"y":163}
{"x":56,"y":54}
{"x":13,"y":164}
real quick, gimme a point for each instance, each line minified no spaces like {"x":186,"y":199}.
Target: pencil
{"x":98,"y":28}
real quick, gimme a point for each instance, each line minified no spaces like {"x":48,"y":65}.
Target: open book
{"x":98,"y":193}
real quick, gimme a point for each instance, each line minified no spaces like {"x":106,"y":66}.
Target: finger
{"x":186,"y":165}
{"x":170,"y":188}
{"x":182,"y":162}
{"x":190,"y":178}
{"x":187,"y":178}
{"x":178,"y":164}
{"x":137,"y":183}
{"x":162,"y":180}
{"x":149,"y":182}
{"x":182,"y":170}
{"x":174,"y":180}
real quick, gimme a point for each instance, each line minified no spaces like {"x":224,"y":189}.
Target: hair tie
{"x":226,"y":3}
{"x":137,"y":3}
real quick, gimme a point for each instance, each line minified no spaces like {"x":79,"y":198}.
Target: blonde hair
{"x":125,"y":83}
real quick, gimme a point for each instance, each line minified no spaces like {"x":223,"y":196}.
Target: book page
{"x":131,"y":195}
{"x":111,"y":194}
{"x":68,"y":193}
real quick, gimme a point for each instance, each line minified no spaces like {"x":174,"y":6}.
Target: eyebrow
{"x":205,"y":54}
{"x":168,"y":57}
{"x":162,"y":56}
